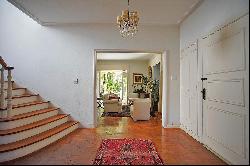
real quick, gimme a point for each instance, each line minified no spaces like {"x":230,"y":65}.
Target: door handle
{"x":204,"y":93}
{"x":203,"y":79}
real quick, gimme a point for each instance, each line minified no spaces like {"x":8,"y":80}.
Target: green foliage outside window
{"x":111,"y":84}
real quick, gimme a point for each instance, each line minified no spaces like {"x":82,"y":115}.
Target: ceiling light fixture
{"x":128,"y":22}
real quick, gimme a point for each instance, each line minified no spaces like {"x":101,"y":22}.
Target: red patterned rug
{"x":127,"y":152}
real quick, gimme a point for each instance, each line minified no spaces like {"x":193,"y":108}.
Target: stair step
{"x":11,"y":123}
{"x":32,"y":125}
{"x":25,"y":98}
{"x":26,"y":107}
{"x":36,"y":138}
{"x":31,"y":129}
{"x":24,"y":95}
{"x":29,"y":114}
{"x":28,"y":104}
{"x":16,"y":89}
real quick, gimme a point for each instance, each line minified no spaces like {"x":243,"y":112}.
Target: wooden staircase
{"x":30,"y":124}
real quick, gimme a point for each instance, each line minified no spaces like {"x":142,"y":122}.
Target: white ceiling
{"x":125,"y":56}
{"x":159,"y":12}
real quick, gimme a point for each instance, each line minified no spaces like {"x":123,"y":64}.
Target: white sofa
{"x":132,"y":97}
{"x":111,"y":105}
{"x":140,"y":110}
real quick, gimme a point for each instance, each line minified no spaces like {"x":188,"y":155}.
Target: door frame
{"x":164,"y":79}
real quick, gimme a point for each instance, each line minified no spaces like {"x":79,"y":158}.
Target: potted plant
{"x":142,"y":89}
{"x":139,"y":89}
{"x":154,"y":96}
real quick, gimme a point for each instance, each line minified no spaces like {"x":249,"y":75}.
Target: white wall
{"x":133,"y":66}
{"x":210,"y":14}
{"x":48,"y":59}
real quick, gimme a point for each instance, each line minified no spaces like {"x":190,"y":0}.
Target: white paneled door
{"x":189,"y":69}
{"x":226,"y":91}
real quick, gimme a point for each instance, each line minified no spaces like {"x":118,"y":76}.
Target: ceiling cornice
{"x":25,"y":11}
{"x":198,"y":4}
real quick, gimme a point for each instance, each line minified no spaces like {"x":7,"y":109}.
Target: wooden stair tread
{"x":32,"y":125}
{"x":24,"y":95}
{"x":28,"y":104}
{"x":16,"y":88}
{"x":29,"y":114}
{"x":36,"y":138}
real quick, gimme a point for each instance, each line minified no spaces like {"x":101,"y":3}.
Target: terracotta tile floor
{"x":80,"y":147}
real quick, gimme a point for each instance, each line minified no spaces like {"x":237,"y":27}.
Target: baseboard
{"x":173,"y":126}
{"x":222,"y":158}
{"x":199,"y":139}
{"x":196,"y":137}
{"x":89,"y":126}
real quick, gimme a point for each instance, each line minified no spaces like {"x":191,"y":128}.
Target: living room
{"x":125,"y":78}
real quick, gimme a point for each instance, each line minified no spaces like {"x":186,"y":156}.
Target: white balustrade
{"x":2,"y":89}
{"x":2,"y":94}
{"x":5,"y":104}
{"x":9,"y":93}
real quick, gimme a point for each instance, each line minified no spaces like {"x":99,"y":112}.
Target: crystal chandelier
{"x":128,"y":22}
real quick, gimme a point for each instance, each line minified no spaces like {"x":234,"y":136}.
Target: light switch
{"x":76,"y":81}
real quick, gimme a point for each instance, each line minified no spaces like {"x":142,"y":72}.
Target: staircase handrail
{"x":4,"y":64}
{"x":5,"y":107}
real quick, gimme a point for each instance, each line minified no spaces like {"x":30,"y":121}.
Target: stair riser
{"x":22,"y":110}
{"x":24,"y":100}
{"x":17,"y":92}
{"x":25,"y":121}
{"x":29,"y":133}
{"x":36,"y":146}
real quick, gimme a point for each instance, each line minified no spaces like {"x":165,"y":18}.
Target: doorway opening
{"x":111,"y":82}
{"x":127,"y":76}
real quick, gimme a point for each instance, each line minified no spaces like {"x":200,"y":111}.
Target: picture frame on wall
{"x":137,"y":78}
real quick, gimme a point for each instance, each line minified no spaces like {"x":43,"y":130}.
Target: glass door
{"x":113,"y":81}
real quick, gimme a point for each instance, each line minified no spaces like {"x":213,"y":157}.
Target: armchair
{"x":111,"y":103}
{"x":140,"y":110}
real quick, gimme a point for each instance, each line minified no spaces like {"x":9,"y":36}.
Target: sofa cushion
{"x":146,"y":100}
{"x":111,"y":101}
{"x":113,"y":97}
